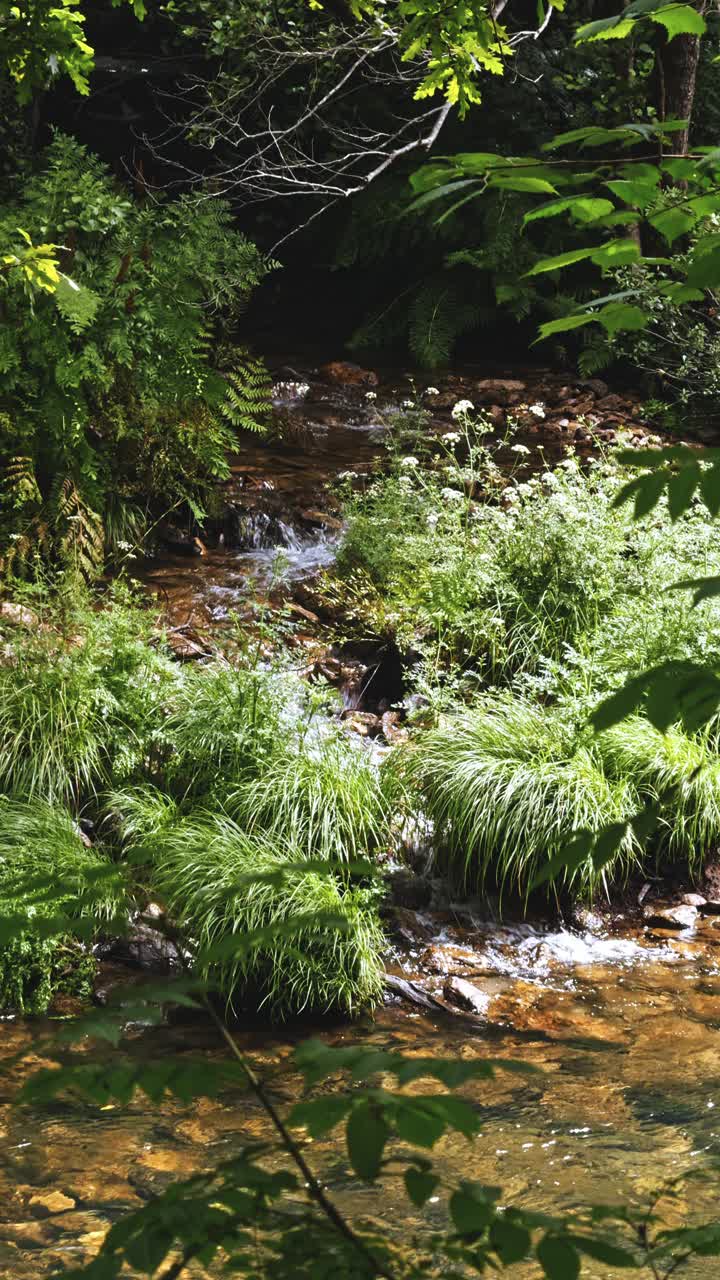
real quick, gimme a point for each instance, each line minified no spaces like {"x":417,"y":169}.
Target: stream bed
{"x":623,"y":1026}
{"x":623,"y":1030}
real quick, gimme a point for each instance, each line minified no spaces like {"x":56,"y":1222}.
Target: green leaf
{"x":558,"y":1258}
{"x":510,"y":1241}
{"x":638,"y":194}
{"x":615,"y":28}
{"x":702,"y":588}
{"x":679,"y":19}
{"x":602,"y":1251}
{"x":420,"y":1185}
{"x":366,"y":1136}
{"x":704,"y":269}
{"x":620,"y":316}
{"x":584,"y":208}
{"x":560,"y":260}
{"x":673,"y":223}
{"x":681,"y":488}
{"x":321,"y":1115}
{"x":418,"y":1126}
{"x":564,"y":324}
{"x":519,"y":182}
{"x":472,"y":1208}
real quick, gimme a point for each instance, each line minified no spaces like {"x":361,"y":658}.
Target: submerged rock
{"x":47,"y":1203}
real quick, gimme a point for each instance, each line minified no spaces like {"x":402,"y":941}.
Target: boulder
{"x":614,"y":404}
{"x":394,"y":732}
{"x":466,"y":996}
{"x":409,"y":891}
{"x":346,"y":374}
{"x":364,"y":723}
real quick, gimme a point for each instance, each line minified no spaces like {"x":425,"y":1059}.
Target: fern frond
{"x":79,"y":532}
{"x":248,"y":392}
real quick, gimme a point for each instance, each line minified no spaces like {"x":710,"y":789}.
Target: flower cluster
{"x":461,"y":408}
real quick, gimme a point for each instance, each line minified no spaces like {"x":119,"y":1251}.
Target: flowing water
{"x":623,"y":1026}
{"x":623,"y":1031}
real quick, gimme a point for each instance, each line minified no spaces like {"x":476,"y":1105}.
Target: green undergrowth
{"x":525,"y":594}
{"x":193,"y":778}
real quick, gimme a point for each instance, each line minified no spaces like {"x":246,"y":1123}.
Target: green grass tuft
{"x":199,"y":866}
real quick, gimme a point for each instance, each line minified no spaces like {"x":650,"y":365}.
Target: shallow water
{"x":624,"y":1031}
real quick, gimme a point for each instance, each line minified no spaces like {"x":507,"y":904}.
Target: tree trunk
{"x":677,"y":68}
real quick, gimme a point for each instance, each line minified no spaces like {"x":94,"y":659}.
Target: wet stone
{"x":47,"y":1203}
{"x":670,"y":917}
{"x":466,"y":996}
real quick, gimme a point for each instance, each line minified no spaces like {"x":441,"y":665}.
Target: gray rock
{"x":678,"y":917}
{"x":466,"y":996}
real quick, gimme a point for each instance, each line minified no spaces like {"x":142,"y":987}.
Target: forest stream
{"x":621,"y":1021}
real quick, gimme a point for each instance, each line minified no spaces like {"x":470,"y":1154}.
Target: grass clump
{"x":322,"y":944}
{"x":325,"y":800}
{"x":80,"y":697}
{"x":46,"y":870}
{"x":507,"y":785}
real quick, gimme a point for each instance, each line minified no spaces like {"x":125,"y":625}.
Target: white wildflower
{"x":461,"y":408}
{"x":524,"y":490}
{"x":433,"y":519}
{"x":124,"y":546}
{"x":452,"y":437}
{"x":452,"y":495}
{"x":409,"y":461}
{"x":407,"y":404}
{"x":347,"y":475}
{"x":570,"y":464}
{"x":432,"y":391}
{"x":371,"y":395}
{"x":519,"y":448}
{"x":538,"y":409}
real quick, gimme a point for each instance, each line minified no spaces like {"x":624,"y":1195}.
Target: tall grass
{"x":680,"y":773}
{"x":45,"y":869}
{"x":225,"y":723}
{"x":507,"y":785}
{"x":204,"y":868}
{"x":325,"y":798}
{"x":80,"y":699}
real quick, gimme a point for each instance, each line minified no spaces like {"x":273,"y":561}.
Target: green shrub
{"x":38,"y":843}
{"x":558,"y":584}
